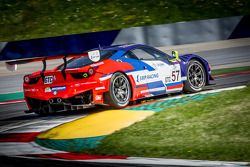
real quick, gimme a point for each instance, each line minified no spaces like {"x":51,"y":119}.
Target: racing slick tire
{"x":119,"y":92}
{"x":196,"y":77}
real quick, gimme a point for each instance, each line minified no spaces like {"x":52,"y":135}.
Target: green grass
{"x":216,"y":128}
{"x":28,"y":19}
{"x":230,"y":70}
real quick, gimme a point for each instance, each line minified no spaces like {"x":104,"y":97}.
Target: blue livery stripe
{"x":160,"y":92}
{"x":117,"y":55}
{"x":153,"y":86}
{"x":157,"y":84}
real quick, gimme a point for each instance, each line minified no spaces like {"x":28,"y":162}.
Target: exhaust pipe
{"x":55,"y":101}
{"x":59,"y":100}
{"x":51,"y":101}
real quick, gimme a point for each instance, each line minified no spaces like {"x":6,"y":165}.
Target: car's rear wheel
{"x":119,"y":91}
{"x":196,"y":77}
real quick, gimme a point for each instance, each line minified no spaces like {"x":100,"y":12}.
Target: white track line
{"x":204,"y":92}
{"x":154,"y":161}
{"x":170,"y":162}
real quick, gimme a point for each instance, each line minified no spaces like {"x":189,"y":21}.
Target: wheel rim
{"x":196,"y":75}
{"x":121,"y":89}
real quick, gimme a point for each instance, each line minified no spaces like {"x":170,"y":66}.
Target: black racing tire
{"x":196,"y":77}
{"x":119,"y":92}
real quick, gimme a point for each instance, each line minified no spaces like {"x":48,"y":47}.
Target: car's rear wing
{"x":12,"y":65}
{"x":94,"y":55}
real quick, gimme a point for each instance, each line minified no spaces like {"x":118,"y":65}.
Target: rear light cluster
{"x":81,"y":75}
{"x":30,"y":80}
{"x":26,"y":79}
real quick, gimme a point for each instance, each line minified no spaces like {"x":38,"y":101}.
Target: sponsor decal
{"x":85,"y":75}
{"x":167,"y":79}
{"x":54,"y":89}
{"x":141,"y":78}
{"x":94,"y":55}
{"x":31,"y":90}
{"x":98,"y":97}
{"x":58,"y":88}
{"x":47,"y":90}
{"x":49,"y":79}
{"x":157,"y":64}
{"x":175,"y":76}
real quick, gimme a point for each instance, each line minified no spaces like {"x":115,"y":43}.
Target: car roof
{"x":124,"y":47}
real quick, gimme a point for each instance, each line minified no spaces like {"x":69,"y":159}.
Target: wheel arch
{"x":130,"y":83}
{"x":200,"y":60}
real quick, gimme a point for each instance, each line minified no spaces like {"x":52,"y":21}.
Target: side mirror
{"x":175,"y":55}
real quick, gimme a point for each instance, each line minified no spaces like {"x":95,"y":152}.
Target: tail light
{"x":91,"y":71}
{"x":26,"y":79}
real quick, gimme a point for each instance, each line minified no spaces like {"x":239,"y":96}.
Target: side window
{"x":157,"y":54}
{"x":143,"y":55}
{"x":130,"y":55}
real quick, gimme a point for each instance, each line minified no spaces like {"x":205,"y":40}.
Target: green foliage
{"x":216,"y":128}
{"x":38,"y":18}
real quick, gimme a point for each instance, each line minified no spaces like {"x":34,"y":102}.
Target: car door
{"x":160,"y":75}
{"x":170,"y":70}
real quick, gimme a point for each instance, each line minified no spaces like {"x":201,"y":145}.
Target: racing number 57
{"x":175,"y":75}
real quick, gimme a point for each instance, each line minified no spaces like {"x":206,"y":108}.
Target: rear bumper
{"x":57,"y":104}
{"x":73,"y":95}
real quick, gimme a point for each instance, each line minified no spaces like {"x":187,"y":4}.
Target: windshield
{"x":84,"y":60}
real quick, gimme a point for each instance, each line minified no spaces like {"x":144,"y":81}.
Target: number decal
{"x":48,"y":79}
{"x":175,"y":75}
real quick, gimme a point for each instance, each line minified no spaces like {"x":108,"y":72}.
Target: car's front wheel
{"x":119,"y":91}
{"x":196,"y":77}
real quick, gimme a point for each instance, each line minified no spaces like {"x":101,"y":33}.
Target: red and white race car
{"x":113,"y":76}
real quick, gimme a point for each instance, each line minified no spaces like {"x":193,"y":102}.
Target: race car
{"x":115,"y":76}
